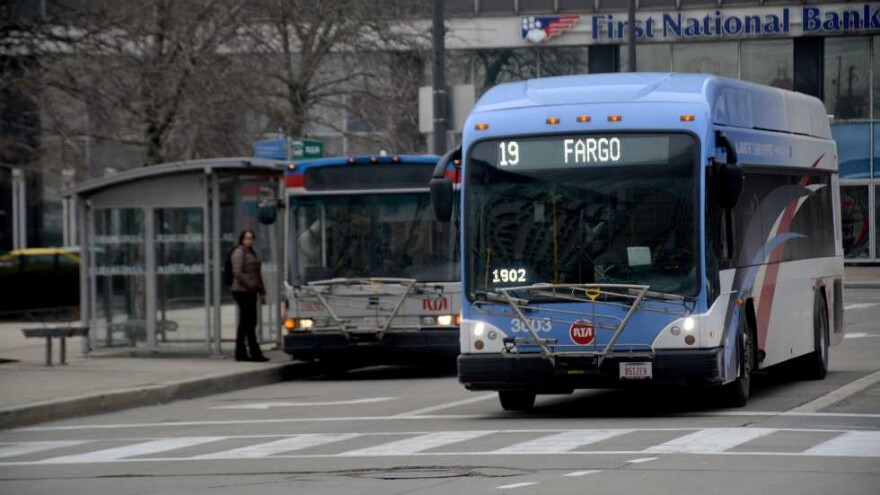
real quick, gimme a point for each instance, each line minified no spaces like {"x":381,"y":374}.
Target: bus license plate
{"x":635,"y":371}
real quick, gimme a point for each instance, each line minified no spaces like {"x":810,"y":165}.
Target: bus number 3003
{"x":537,"y":324}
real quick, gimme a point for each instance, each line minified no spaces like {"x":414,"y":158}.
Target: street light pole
{"x":438,"y":80}
{"x":631,"y":34}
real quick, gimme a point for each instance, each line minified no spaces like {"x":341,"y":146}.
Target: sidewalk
{"x":30,"y":392}
{"x":866,"y":277}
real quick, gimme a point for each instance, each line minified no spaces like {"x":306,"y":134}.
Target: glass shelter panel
{"x":180,"y":275}
{"x":119,"y":277}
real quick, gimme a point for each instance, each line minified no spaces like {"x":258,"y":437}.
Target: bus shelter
{"x":154,"y":240}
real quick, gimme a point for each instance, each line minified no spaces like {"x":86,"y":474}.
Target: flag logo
{"x":541,"y":28}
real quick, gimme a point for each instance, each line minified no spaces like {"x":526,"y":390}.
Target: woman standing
{"x":247,"y":285}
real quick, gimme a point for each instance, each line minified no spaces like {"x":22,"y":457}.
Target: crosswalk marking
{"x":138,"y":449}
{"x":24,"y":448}
{"x":710,"y":440}
{"x":561,"y":442}
{"x":418,"y":444}
{"x":297,"y":442}
{"x":852,"y":443}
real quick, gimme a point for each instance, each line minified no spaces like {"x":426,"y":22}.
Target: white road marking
{"x":417,"y":444}
{"x":849,"y":444}
{"x":785,"y":413}
{"x":344,"y":419}
{"x":359,"y":419}
{"x":710,"y":440}
{"x":577,"y":474}
{"x":517,"y":485}
{"x":24,"y":448}
{"x":448,"y":405}
{"x":561,"y":442}
{"x":297,"y":442}
{"x":860,"y":335}
{"x":117,"y":453}
{"x":850,"y":307}
{"x":267,"y":405}
{"x":839,"y":394}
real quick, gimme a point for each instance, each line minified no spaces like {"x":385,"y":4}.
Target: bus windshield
{"x":581,"y":209}
{"x":373,"y":235}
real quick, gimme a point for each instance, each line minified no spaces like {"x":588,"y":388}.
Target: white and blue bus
{"x":630,"y":228}
{"x":371,"y":276}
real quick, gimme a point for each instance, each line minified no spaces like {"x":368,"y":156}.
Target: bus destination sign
{"x":582,"y":150}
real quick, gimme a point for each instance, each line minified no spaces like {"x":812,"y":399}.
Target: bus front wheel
{"x":815,"y":364}
{"x":516,"y":400}
{"x":736,"y":394}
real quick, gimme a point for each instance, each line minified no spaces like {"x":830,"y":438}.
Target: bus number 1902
{"x":505,"y":275}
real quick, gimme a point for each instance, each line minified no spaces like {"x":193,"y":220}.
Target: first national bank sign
{"x":712,"y":24}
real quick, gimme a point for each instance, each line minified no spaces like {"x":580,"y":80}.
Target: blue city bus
{"x":372,"y":277}
{"x":627,"y":229}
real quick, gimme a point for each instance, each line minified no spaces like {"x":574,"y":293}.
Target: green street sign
{"x":303,"y":149}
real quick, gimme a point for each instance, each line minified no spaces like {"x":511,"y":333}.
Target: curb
{"x":862,"y":285}
{"x":150,"y":395}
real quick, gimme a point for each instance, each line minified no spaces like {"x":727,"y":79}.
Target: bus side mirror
{"x":730,"y":174}
{"x":267,"y":212}
{"x":441,"y":187}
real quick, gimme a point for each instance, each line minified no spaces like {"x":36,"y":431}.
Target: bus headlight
{"x":479,"y":329}
{"x":428,"y":321}
{"x":306,"y":323}
{"x":689,"y":324}
{"x":444,"y":320}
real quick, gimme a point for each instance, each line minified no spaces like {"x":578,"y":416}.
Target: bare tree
{"x":318,"y":59}
{"x":139,"y":66}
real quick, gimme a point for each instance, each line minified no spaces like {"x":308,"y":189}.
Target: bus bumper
{"x":410,"y":346}
{"x":497,"y":372}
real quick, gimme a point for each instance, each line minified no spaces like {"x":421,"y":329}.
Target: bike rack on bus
{"x":625,"y":296}
{"x":371,"y":287}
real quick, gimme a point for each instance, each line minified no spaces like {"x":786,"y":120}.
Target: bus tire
{"x":815,"y":364}
{"x":516,"y":400}
{"x":736,"y":394}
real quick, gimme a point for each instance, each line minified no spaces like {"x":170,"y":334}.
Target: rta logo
{"x":439,"y":304}
{"x":582,"y":332}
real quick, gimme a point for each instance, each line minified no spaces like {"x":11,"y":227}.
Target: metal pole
{"x":631,"y":34}
{"x":438,"y":81}
{"x":216,"y":236}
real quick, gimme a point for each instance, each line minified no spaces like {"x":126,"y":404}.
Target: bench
{"x":56,"y":332}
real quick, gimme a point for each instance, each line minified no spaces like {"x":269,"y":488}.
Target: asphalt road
{"x":403,"y":430}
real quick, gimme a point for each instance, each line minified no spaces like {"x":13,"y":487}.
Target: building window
{"x":769,"y":62}
{"x":718,"y":58}
{"x":459,"y":7}
{"x":853,"y":149}
{"x":537,"y":6}
{"x":459,"y":67}
{"x":876,"y":78}
{"x":497,"y":6}
{"x":650,"y":57}
{"x":497,"y":66}
{"x":854,"y":208}
{"x":563,"y":61}
{"x":847,"y":77}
